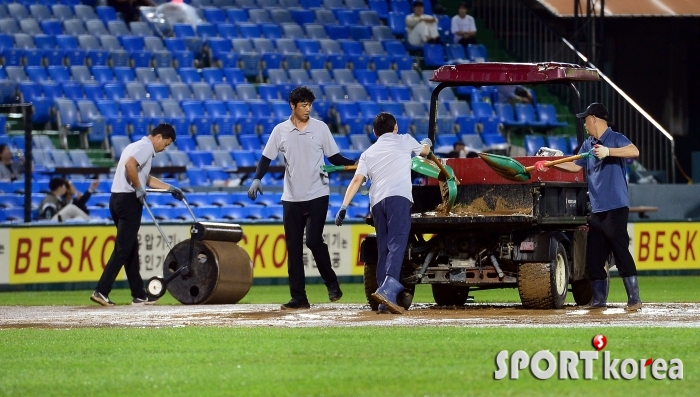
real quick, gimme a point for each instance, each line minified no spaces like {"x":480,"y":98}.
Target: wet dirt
{"x":345,"y":315}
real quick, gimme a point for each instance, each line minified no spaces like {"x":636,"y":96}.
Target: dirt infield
{"x":344,"y":315}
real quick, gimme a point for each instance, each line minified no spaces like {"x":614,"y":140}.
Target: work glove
{"x":255,"y":188}
{"x":427,"y":141}
{"x":601,"y":152}
{"x":340,"y":216}
{"x":176,"y":192}
{"x":540,"y":166}
{"x":141,"y":194}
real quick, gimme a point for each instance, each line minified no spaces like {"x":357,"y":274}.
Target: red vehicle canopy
{"x":492,"y":73}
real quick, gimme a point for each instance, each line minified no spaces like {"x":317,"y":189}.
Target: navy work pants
{"x":392,"y":222}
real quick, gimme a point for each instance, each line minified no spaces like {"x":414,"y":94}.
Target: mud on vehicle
{"x":500,"y":233}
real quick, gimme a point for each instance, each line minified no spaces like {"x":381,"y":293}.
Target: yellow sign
{"x":667,"y":245}
{"x":359,"y":232}
{"x":60,"y":254}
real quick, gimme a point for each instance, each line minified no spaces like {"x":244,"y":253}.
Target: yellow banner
{"x":59,"y":254}
{"x":79,"y":253}
{"x":666,"y":246}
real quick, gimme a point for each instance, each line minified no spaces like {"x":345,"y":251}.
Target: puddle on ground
{"x":345,"y":315}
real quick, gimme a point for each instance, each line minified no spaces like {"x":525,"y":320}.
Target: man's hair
{"x":167,"y":131}
{"x":2,"y":147}
{"x":463,"y":5}
{"x":383,"y":123}
{"x":301,"y":94}
{"x":458,"y":143}
{"x":55,"y":183}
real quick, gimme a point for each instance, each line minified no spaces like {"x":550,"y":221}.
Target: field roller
{"x":208,"y":268}
{"x":513,"y":170}
{"x":431,"y":168}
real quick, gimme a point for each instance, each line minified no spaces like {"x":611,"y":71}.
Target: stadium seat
{"x":533,"y":143}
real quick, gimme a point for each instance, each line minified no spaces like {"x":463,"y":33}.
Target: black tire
{"x":447,"y":295}
{"x":544,"y":285}
{"x":370,"y":280}
{"x":581,"y":289}
{"x":404,"y":298}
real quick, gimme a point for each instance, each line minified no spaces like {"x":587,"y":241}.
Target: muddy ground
{"x":344,"y":315}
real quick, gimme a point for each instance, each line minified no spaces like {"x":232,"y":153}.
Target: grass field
{"x":360,"y":361}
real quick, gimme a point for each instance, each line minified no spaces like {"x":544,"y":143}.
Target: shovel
{"x":432,"y":168}
{"x":511,"y":169}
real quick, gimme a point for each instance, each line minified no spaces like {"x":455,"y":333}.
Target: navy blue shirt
{"x":607,"y":182}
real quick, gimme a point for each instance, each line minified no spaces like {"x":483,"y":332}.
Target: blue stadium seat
{"x":559,"y":142}
{"x":194,"y":111}
{"x":526,"y":115}
{"x":533,"y":143}
{"x":434,"y":55}
{"x":548,"y":115}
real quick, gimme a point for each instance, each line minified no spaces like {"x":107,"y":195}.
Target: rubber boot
{"x":386,"y":294}
{"x":600,"y":294}
{"x":634,"y":303}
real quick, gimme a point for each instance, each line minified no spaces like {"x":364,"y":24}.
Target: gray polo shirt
{"x":143,"y":151}
{"x":303,"y":157}
{"x":387,"y":163}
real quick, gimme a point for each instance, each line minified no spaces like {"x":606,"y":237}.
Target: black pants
{"x":464,"y":42}
{"x":309,"y":215}
{"x":607,"y":232}
{"x":126,"y":212}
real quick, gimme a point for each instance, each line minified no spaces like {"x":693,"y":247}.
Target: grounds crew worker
{"x":607,"y":189}
{"x":126,"y":206}
{"x":387,"y":164}
{"x":304,"y":141}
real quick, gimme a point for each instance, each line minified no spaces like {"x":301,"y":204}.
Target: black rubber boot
{"x":634,"y":303}
{"x":600,"y":294}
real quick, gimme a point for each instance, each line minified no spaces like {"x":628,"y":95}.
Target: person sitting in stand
{"x":463,"y":27}
{"x":421,"y":28}
{"x":53,"y":207}
{"x":514,"y":94}
{"x":10,"y":169}
{"x":76,"y":198}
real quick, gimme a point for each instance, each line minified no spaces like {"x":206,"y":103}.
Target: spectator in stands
{"x":514,"y":94}
{"x":463,"y":27}
{"x":459,"y":151}
{"x":304,"y":141}
{"x":126,"y":206}
{"x":387,"y":164}
{"x":53,"y":207}
{"x":607,"y":189}
{"x":129,"y":8}
{"x":421,"y":28}
{"x":78,"y":199}
{"x":10,"y":169}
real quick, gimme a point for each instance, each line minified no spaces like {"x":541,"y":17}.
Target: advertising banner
{"x":79,"y":253}
{"x":666,"y":245}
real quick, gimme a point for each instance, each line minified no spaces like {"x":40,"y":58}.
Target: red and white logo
{"x":566,"y":364}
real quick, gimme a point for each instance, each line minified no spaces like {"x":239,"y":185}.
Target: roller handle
{"x":334,"y":168}
{"x":586,"y":155}
{"x":184,"y":200}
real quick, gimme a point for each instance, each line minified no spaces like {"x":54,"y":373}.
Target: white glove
{"x":601,"y":152}
{"x":427,"y":142}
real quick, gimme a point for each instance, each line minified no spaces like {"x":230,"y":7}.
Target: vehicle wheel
{"x":155,"y":287}
{"x":447,"y":295}
{"x":404,"y":298}
{"x":581,"y":289}
{"x":544,"y":285}
{"x":370,"y":279}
